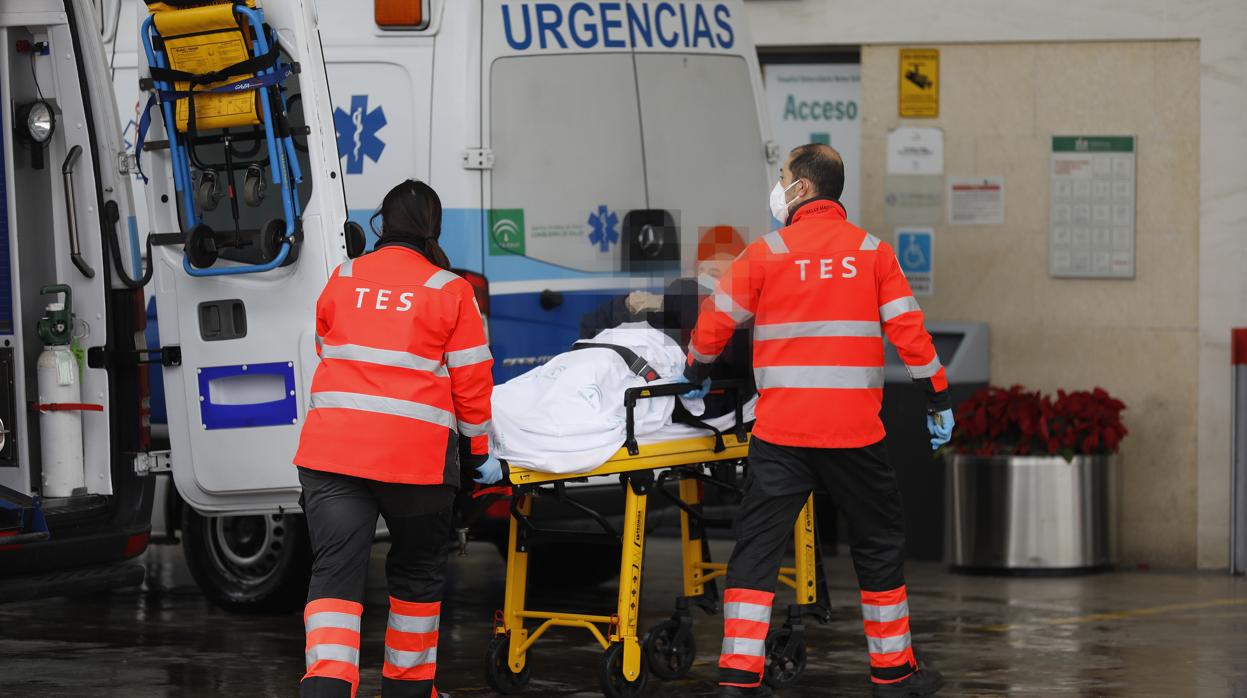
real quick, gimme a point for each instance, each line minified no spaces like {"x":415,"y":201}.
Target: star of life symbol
{"x":357,"y":133}
{"x":603,"y":223}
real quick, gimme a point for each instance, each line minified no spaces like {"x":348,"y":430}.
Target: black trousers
{"x":342,"y":516}
{"x":862,"y":484}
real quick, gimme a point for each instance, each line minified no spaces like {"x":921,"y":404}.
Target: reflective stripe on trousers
{"x":746,"y":619}
{"x":885,"y":617}
{"x":332,"y":648}
{"x":411,"y":641}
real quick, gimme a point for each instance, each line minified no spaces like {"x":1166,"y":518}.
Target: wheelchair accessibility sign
{"x":916,"y":253}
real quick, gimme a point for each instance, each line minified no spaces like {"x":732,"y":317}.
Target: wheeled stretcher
{"x":668,"y":649}
{"x":218,"y":77}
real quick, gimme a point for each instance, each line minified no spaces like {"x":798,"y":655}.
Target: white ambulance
{"x":581,"y":150}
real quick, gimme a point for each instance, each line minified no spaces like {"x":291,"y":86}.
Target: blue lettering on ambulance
{"x":635,"y":24}
{"x":550,"y":26}
{"x":684,"y":23}
{"x":592,"y":25}
{"x":701,"y":27}
{"x":506,"y":27}
{"x":610,"y":24}
{"x":662,"y":38}
{"x":590,"y":28}
{"x":727,"y":39}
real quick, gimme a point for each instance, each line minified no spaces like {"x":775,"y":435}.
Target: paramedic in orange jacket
{"x":821,"y":293}
{"x":399,"y":403}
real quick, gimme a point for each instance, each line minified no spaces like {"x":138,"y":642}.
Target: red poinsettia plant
{"x":1018,"y":422}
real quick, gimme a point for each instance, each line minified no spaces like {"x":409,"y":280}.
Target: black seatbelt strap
{"x":636,"y":363}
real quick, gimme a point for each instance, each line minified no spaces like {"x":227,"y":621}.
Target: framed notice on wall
{"x":1091,"y":215}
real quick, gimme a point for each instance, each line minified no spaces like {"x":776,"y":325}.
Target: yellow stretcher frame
{"x":617,"y":633}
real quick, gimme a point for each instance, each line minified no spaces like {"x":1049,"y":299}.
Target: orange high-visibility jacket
{"x":404,"y":365}
{"x":821,"y":293}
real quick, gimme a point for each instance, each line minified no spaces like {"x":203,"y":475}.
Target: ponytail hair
{"x":412,"y":213}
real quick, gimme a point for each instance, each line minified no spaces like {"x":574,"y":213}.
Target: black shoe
{"x":924,"y":682}
{"x":762,"y":691}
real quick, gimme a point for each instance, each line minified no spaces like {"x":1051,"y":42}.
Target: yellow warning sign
{"x":920,"y":83}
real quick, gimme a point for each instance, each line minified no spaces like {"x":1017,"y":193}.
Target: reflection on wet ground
{"x":1124,"y":634}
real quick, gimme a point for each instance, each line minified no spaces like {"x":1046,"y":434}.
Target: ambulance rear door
{"x":239,"y":348}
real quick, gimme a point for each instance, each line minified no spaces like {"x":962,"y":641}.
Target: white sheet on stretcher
{"x":567,"y":416}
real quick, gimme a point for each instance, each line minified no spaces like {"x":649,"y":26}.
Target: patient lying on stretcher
{"x":568,"y":416}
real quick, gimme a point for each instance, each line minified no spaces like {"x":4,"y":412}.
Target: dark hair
{"x":820,"y":164}
{"x":412,"y":212}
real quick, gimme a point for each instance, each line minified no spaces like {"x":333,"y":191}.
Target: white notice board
{"x":819,"y":103}
{"x":1091,"y":229}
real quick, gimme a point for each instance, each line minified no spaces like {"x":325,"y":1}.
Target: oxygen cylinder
{"x":60,"y":398}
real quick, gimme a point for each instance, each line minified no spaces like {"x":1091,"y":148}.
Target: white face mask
{"x":779,"y":201}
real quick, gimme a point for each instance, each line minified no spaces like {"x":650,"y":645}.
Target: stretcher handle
{"x":631,"y":395}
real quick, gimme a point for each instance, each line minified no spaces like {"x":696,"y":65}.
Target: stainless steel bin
{"x":1037,"y":514}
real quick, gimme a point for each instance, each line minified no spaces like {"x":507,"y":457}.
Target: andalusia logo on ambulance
{"x":617,"y":25}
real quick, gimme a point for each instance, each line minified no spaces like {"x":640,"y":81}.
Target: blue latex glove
{"x":698,"y":393}
{"x":490,"y":471}
{"x":940,"y":425}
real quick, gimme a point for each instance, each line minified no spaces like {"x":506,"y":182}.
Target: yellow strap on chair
{"x":205,"y":39}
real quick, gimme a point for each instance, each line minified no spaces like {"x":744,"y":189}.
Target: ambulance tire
{"x":249,"y":564}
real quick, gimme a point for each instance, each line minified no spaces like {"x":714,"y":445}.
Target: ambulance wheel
{"x":271,"y":239}
{"x":201,"y":248}
{"x":783,"y":671}
{"x":610,"y":674}
{"x":498,"y":672}
{"x":249,"y":564}
{"x":669,"y":656}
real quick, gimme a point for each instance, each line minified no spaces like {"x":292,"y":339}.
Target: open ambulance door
{"x":240,"y":259}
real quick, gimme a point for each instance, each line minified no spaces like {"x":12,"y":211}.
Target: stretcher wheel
{"x":271,"y":238}
{"x":208,"y":192}
{"x":253,"y":186}
{"x":498,"y":672}
{"x":669,"y":655}
{"x":611,"y":677}
{"x":201,"y":247}
{"x":785,"y":658}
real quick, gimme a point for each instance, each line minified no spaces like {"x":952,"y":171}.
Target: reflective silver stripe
{"x":345,"y":270}
{"x":467,"y":357}
{"x":926,"y":370}
{"x":740,"y":645}
{"x":724,"y":303}
{"x":442,"y":372}
{"x":384,"y":357}
{"x":740,"y":610}
{"x":440,"y":279}
{"x":870,"y":243}
{"x":383,"y":405}
{"x":337,"y":653}
{"x":700,"y":357}
{"x":888,"y":645}
{"x":320,"y":342}
{"x":885,"y":614}
{"x":828,"y":328}
{"x":414,"y":624}
{"x":407,"y":660}
{"x":469,"y":429}
{"x":331,"y":619}
{"x":819,"y":377}
{"x":898,"y":307}
{"x":775,"y":241}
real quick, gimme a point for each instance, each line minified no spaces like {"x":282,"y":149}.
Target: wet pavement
{"x":1122,"y":634}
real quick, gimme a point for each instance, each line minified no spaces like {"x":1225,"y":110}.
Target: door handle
{"x":71,"y":210}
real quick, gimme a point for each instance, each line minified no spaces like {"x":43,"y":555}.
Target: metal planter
{"x":1031,"y":514}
